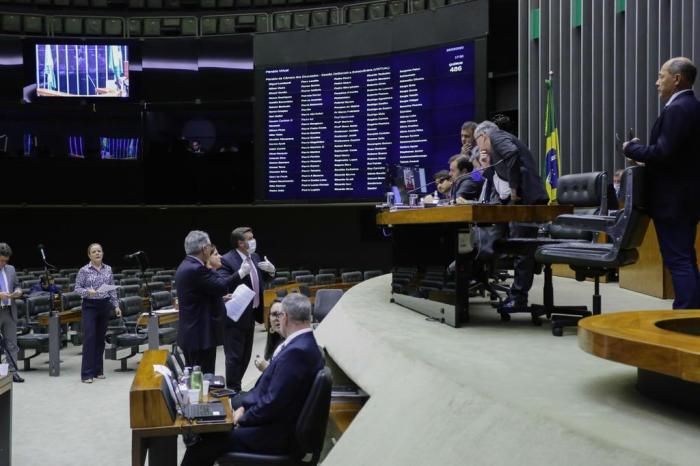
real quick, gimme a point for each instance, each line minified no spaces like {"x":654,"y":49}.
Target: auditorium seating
{"x":351,"y":277}
{"x":128,"y":290}
{"x":161,"y":299}
{"x":278,"y":281}
{"x":372,"y":273}
{"x":325,"y":279}
{"x":306,"y":279}
{"x":152,"y":287}
{"x":125,"y":336}
{"x":333,"y":272}
{"x":296,"y":273}
{"x":130,"y":281}
{"x":70,"y":300}
{"x":34,"y":340}
{"x":310,"y":431}
{"x":325,"y":300}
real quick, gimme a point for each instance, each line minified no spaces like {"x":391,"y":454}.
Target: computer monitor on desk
{"x":408,"y":180}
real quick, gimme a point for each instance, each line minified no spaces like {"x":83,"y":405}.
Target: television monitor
{"x":76,"y":147}
{"x":119,"y":148}
{"x":408,"y":180}
{"x":82,"y":70}
{"x":332,"y":131}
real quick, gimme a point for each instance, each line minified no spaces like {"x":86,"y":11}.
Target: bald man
{"x":672,"y":183}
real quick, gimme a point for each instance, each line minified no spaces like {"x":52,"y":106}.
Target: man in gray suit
{"x":9,"y":291}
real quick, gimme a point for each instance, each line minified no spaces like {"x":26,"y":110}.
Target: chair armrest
{"x":587,"y":222}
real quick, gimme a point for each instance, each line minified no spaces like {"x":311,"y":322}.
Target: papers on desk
{"x":240,"y":298}
{"x":105,"y":288}
{"x":162,"y":370}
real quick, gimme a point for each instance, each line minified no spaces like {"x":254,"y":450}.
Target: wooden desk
{"x":165,"y":317}
{"x":473,"y":213}
{"x":458,"y":218}
{"x":6,"y":420}
{"x":663,"y":345}
{"x":64,"y":317}
{"x":152,"y":428}
{"x":648,"y":275}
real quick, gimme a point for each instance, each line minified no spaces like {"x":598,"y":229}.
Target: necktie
{"x":254,"y":281}
{"x":3,"y":287}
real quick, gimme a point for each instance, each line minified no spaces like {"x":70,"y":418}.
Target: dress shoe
{"x":86,"y":380}
{"x":17,"y":378}
{"x":101,"y":377}
{"x":511,"y":305}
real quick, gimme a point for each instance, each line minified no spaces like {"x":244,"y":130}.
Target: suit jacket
{"x":199,"y":293}
{"x":12,"y":285}
{"x":672,"y":161}
{"x":273,"y":406}
{"x":466,"y":187}
{"x":230,"y":263}
{"x":517,"y":167}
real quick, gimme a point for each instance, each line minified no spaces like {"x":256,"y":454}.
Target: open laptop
{"x":201,"y":412}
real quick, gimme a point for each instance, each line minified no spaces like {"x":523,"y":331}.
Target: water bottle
{"x":197,"y":382}
{"x":185,"y":380}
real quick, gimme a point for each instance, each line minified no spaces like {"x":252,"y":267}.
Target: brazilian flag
{"x":49,"y":75}
{"x":552,"y":166}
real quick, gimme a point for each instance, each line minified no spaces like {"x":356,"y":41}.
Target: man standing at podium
{"x":672,"y":159}
{"x":243,"y":266}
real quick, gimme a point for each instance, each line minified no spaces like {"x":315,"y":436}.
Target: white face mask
{"x":251,"y":246}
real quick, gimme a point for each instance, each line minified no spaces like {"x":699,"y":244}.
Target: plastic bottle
{"x":196,"y":382}
{"x":186,"y":377}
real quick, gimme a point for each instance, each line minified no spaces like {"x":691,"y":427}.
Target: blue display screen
{"x":82,"y":70}
{"x":337,"y":131}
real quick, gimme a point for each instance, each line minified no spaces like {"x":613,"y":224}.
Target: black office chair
{"x":125,"y":291}
{"x":70,"y":300}
{"x":124,"y":335}
{"x":161,"y":299}
{"x":309,"y":435}
{"x":626,"y":230}
{"x":152,"y":287}
{"x":278,"y":281}
{"x":326,"y":299}
{"x":325,"y":279}
{"x":306,"y":279}
{"x":351,"y":277}
{"x":35,"y":340}
{"x":372,"y":273}
{"x":296,"y":273}
{"x":130,"y":281}
{"x":331,"y":271}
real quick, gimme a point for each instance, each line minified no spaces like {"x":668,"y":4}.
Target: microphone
{"x":134,"y":255}
{"x":41,"y":251}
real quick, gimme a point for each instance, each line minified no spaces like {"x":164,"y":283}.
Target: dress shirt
{"x":676,"y":95}
{"x":254,"y":279}
{"x":91,"y":277}
{"x":288,"y":340}
{"x":4,"y":286}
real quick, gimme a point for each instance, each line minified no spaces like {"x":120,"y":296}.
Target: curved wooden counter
{"x":664,"y":342}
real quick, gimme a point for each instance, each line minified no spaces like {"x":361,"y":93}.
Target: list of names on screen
{"x":335,"y":130}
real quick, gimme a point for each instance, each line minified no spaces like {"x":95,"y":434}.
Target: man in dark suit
{"x":199,"y":294}
{"x":241,"y":265}
{"x":266,"y":418}
{"x":466,"y":185}
{"x":9,"y":291}
{"x":672,"y":159}
{"x":512,"y":162}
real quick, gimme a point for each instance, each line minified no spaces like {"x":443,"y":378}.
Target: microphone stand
{"x":54,"y":324}
{"x":153,"y":321}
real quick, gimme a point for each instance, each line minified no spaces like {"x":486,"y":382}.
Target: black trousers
{"x":238,"y":346}
{"x":95,"y":317}
{"x":677,"y":245}
{"x":205,"y":358}
{"x":524,"y":266}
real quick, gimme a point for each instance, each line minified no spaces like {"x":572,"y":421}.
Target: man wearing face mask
{"x":244,"y":266}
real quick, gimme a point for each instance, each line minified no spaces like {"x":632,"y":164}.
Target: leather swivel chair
{"x":351,"y":277}
{"x":325,"y":279}
{"x":125,"y":336}
{"x":310,"y":431}
{"x":34,"y":340}
{"x":325,"y":300}
{"x":625,"y":228}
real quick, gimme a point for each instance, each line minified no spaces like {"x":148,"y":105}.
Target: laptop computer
{"x":201,"y":412}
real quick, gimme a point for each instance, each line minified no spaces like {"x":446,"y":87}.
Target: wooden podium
{"x":648,"y":275}
{"x":451,"y":228}
{"x":152,"y":427}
